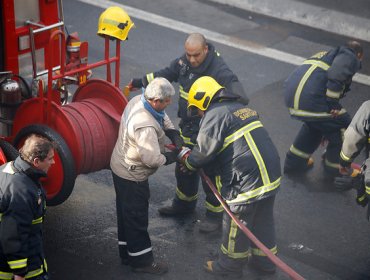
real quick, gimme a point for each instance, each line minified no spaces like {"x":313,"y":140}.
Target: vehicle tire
{"x":62,"y":175}
{"x":10,"y":152}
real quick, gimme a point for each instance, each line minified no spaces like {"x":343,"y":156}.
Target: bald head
{"x":196,"y":39}
{"x":196,"y":49}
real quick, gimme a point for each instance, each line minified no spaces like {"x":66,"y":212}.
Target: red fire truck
{"x":39,"y":63}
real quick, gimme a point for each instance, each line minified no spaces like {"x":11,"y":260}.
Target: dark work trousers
{"x":309,"y":138}
{"x":187,"y":184}
{"x":235,"y":248}
{"x":187,"y":192}
{"x":132,"y":202}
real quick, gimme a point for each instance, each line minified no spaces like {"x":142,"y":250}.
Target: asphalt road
{"x":321,"y":233}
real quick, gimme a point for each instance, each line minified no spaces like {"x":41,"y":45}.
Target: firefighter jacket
{"x":315,"y":87}
{"x":22,"y":209}
{"x":140,"y":144}
{"x":181,"y":71}
{"x":238,"y":152}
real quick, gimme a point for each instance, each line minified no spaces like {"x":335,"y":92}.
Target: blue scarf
{"x":159,"y":116}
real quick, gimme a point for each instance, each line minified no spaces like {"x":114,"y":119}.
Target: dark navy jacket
{"x":181,"y":71}
{"x":22,"y":208}
{"x":315,"y":87}
{"x":238,"y":153}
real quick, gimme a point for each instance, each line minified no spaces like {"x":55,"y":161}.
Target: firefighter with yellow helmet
{"x":241,"y":159}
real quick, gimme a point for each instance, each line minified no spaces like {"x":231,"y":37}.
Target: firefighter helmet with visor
{"x":115,"y":23}
{"x":202,"y":91}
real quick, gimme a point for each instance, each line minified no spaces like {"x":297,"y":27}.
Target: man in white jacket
{"x":138,"y":153}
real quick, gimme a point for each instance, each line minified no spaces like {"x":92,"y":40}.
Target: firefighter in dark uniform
{"x":22,"y":210}
{"x":245,"y":164}
{"x":356,"y":138}
{"x":312,"y":93}
{"x":200,"y":59}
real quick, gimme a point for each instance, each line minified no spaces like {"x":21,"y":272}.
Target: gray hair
{"x":36,"y":146}
{"x":159,"y":88}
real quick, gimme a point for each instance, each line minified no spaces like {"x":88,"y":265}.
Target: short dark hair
{"x":36,"y":146}
{"x":355,"y":46}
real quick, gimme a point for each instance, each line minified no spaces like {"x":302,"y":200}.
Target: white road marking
{"x":230,"y":41}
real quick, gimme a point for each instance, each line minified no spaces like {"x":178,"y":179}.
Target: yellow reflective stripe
{"x":367,"y":188}
{"x":214,"y":209}
{"x":333,"y":94}
{"x":6,"y":275}
{"x":257,"y":156}
{"x":183,"y":93}
{"x":234,"y":255}
{"x":303,"y":113}
{"x":1,"y":214}
{"x":187,"y":140}
{"x":45,"y":265}
{"x":314,"y":64}
{"x":331,"y":164}
{"x":301,"y":84}
{"x":368,"y":140}
{"x":260,"y":253}
{"x":34,"y":273}
{"x":239,"y":133}
{"x":317,"y":63}
{"x":232,"y":234}
{"x":189,"y":166}
{"x":299,"y":153}
{"x":37,"y":221}
{"x":182,"y":196}
{"x":30,"y":274}
{"x":218,"y":183}
{"x":344,"y":157}
{"x":150,"y":77}
{"x":361,"y":198}
{"x":18,"y":263}
{"x":244,"y":197}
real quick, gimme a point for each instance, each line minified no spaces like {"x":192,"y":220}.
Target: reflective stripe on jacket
{"x":181,"y":71}
{"x":237,"y":150}
{"x":22,"y":208}
{"x":315,"y":87}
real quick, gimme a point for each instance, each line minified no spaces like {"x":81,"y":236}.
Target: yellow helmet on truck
{"x":115,"y":23}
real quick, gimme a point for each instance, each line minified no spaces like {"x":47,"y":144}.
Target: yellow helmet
{"x":115,"y":22}
{"x":202,"y":91}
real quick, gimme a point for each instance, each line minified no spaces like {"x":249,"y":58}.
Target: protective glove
{"x":174,"y":136}
{"x":136,"y":83}
{"x":171,"y":157}
{"x":347,"y":182}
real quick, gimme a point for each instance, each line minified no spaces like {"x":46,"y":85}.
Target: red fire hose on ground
{"x":279,"y":263}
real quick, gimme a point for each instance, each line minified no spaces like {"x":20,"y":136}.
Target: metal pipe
{"x":33,"y":53}
{"x":118,"y":56}
{"x":48,"y":27}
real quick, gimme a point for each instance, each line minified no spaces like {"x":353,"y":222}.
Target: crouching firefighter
{"x":22,"y":210}
{"x":356,"y":138}
{"x":312,"y":93}
{"x":244,"y":165}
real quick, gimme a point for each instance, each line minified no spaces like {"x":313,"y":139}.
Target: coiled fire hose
{"x":279,"y":263}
